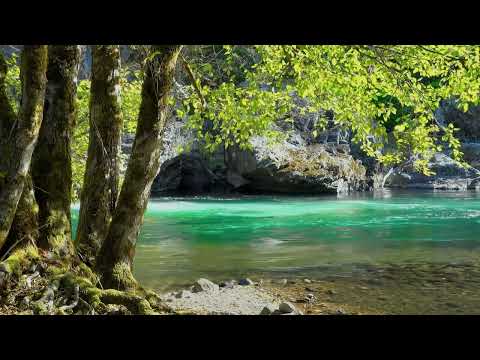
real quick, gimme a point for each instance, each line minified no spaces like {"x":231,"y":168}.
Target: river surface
{"x":418,"y":245}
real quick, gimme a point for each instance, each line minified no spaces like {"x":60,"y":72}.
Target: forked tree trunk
{"x":24,"y":135}
{"x":51,"y":164}
{"x":100,"y":186}
{"x":114,"y":262}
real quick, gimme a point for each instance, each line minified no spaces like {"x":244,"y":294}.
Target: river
{"x":402,"y":237}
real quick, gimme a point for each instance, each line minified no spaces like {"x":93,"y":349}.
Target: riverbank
{"x":409,"y":289}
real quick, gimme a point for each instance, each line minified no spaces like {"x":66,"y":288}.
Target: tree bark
{"x":114,"y":262}
{"x":100,"y":186}
{"x":24,"y":135}
{"x":24,"y":227}
{"x":51,"y":164}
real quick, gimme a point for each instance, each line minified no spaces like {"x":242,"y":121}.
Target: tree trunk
{"x":51,"y":164}
{"x":114,"y":262}
{"x":25,"y":134}
{"x":100,"y":187}
{"x":25,"y":223}
{"x":24,"y":229}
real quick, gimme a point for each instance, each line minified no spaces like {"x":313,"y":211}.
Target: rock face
{"x":303,"y":163}
{"x":311,"y":169}
{"x":300,"y":164}
{"x":468,"y":122}
{"x":448,"y":176}
{"x":186,"y":174}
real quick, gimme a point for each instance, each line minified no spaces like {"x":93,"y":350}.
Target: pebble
{"x":286,"y":307}
{"x":309,"y":289}
{"x":204,"y":285}
{"x":268,"y":310}
{"x":308,"y":281}
{"x":310,"y":297}
{"x":331,"y":292}
{"x":283,"y":282}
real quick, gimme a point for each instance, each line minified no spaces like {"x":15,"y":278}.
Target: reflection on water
{"x":183,"y":239}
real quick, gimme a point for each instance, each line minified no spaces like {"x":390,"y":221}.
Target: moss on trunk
{"x":100,"y":189}
{"x":24,"y":134}
{"x":114,"y":262}
{"x":51,"y":164}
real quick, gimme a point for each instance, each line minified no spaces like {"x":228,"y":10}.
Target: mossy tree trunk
{"x":24,"y":228}
{"x":100,"y":186}
{"x":51,"y":164}
{"x":24,"y":134}
{"x":114,"y":262}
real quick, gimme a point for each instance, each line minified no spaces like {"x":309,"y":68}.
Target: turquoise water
{"x":183,"y":239}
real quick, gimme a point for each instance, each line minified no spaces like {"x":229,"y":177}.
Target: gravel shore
{"x":205,"y":297}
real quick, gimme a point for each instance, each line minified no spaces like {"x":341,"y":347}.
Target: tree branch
{"x":193,"y":79}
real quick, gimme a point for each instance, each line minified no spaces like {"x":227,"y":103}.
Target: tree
{"x":353,"y":82}
{"x":24,"y":134}
{"x":101,"y":181}
{"x":51,"y":164}
{"x":114,"y":262}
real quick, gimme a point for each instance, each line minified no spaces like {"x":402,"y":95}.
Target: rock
{"x":312,"y":169}
{"x":227,"y":284}
{"x":25,"y":302}
{"x":448,"y":176}
{"x":286,"y":307}
{"x":307,"y":281}
{"x":204,"y":285}
{"x":268,"y":310}
{"x":283,"y":282}
{"x":310,"y":297}
{"x":309,"y":289}
{"x":330,"y":292}
{"x":184,"y":174}
{"x":245,"y":282}
{"x":183,"y":294}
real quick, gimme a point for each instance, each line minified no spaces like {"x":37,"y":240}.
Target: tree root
{"x":43,"y":285}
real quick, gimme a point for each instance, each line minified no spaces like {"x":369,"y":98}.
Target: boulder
{"x":313,"y":169}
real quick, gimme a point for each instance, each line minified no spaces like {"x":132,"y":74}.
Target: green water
{"x":184,"y":239}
